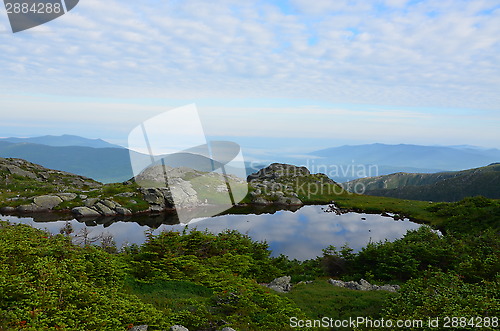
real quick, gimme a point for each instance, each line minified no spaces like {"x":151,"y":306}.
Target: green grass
{"x":321,"y":299}
{"x":172,"y":295}
{"x":413,"y":209}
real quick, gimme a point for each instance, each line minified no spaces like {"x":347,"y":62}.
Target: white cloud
{"x":429,"y":53}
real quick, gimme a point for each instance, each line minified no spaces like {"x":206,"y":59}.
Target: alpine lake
{"x":299,"y":233}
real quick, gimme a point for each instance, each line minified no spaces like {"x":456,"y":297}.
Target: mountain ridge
{"x":443,"y":186}
{"x":64,"y":140}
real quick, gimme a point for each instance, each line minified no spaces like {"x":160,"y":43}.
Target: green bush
{"x":46,"y":282}
{"x":438,"y":294}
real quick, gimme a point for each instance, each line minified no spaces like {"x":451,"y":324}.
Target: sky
{"x":275,"y":76}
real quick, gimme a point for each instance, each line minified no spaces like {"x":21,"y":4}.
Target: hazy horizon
{"x":340,"y":72}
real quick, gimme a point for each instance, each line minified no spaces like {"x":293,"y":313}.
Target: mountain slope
{"x":64,"y":140}
{"x":102,"y":164}
{"x":444,"y":186}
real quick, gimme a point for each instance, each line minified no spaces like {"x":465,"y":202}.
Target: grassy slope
{"x":445,"y":186}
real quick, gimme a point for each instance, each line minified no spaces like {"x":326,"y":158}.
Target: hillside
{"x":443,"y":186}
{"x":103,"y":164}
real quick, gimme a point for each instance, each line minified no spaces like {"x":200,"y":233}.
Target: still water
{"x":300,"y":234}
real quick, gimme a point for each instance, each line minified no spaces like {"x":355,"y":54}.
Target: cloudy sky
{"x":273,"y":75}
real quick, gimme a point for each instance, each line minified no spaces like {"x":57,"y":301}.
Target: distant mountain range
{"x":443,"y":186}
{"x":346,"y":163}
{"x":62,"y":141}
{"x":105,"y":162}
{"x":430,"y":157}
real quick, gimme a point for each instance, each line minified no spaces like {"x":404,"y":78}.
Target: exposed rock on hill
{"x":286,"y":184}
{"x":363,"y":285}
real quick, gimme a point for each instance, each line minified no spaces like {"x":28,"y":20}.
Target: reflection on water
{"x":300,"y":234}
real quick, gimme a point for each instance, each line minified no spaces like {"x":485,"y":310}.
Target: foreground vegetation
{"x":205,"y":281}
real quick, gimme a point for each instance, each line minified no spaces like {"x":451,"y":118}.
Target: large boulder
{"x":85,"y":212}
{"x":67,"y":196}
{"x":47,"y":202}
{"x":104,"y":210}
{"x":281,"y":284}
{"x":15,"y":170}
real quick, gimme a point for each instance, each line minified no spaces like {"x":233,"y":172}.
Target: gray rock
{"x":352,"y":285}
{"x":110,"y":204}
{"x":156,"y":208}
{"x":46,"y":202}
{"x":7,"y":210}
{"x":26,"y":208}
{"x":85,"y":212}
{"x":67,"y":196}
{"x":90,"y":202}
{"x":153,"y":196}
{"x":281,"y":284}
{"x":255,"y":193}
{"x":125,"y":195}
{"x":228,"y":329}
{"x":123,"y":211}
{"x":104,"y":210}
{"x":336,"y":282}
{"x":178,"y":328}
{"x":185,"y":195}
{"x":139,"y":328}
{"x":365,"y":286}
{"x":15,"y":170}
{"x":83,"y":196}
{"x":261,"y":201}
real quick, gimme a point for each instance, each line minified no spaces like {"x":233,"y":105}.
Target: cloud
{"x":395,"y":53}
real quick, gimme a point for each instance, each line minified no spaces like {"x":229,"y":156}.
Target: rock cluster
{"x":95,"y":207}
{"x":363,"y":285}
{"x":41,"y":203}
{"x":282,"y":184}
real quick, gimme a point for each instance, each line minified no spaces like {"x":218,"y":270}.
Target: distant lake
{"x":300,"y":234}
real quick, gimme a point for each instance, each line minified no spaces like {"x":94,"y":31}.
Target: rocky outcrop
{"x":281,"y":284}
{"x":363,"y":285}
{"x":95,"y":208}
{"x":47,"y":202}
{"x":281,"y":184}
{"x":279,"y":171}
{"x":10,"y":167}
